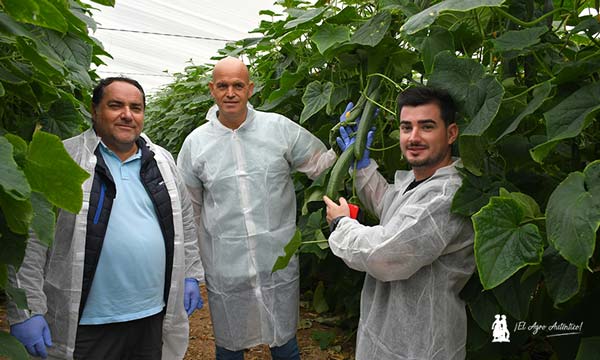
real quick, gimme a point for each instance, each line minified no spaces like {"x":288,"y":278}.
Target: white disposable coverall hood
{"x":52,"y":277}
{"x":417,"y":261}
{"x":244,"y":199}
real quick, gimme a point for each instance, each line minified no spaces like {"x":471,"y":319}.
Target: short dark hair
{"x":99,"y":89}
{"x":422,"y":95}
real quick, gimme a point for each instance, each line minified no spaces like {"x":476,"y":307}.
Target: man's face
{"x":231,"y":89}
{"x":119,"y":118}
{"x":425,"y":140}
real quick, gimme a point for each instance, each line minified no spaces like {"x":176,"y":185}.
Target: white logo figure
{"x":500,"y":329}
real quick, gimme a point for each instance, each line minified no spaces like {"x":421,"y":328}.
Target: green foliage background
{"x":525,"y":74}
{"x":45,"y":85}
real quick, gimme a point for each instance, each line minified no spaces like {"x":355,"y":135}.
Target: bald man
{"x":238,"y":167}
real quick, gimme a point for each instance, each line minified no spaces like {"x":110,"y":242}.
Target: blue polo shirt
{"x":130,"y":276}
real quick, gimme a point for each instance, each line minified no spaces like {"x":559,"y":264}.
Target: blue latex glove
{"x":34,"y":334}
{"x":191,"y":296}
{"x":344,"y":140}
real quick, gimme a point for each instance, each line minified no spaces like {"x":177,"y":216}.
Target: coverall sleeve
{"x":371,"y":186}
{"x":30,"y":278}
{"x":415,"y":236}
{"x":306,"y":153}
{"x":193,"y":263}
{"x":193,"y":186}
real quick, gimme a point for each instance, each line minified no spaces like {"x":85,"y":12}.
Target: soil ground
{"x":202,"y":342}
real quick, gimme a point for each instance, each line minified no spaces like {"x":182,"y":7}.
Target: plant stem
{"x":383,"y":149}
{"x":526,"y":23}
{"x":314,"y":242}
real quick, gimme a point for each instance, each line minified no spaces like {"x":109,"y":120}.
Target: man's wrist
{"x":334,"y":223}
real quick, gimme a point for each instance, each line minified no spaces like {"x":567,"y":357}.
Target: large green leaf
{"x":12,"y":245}
{"x":474,"y":193}
{"x":571,"y":71}
{"x":76,"y":55}
{"x":290,"y":249}
{"x":303,"y":16}
{"x":43,"y":13}
{"x":426,"y":17}
{"x":438,"y":39}
{"x":407,"y":7}
{"x":47,"y":165}
{"x":471,"y":148}
{"x":346,"y":16}
{"x":466,"y":81}
{"x":519,"y":39}
{"x":515,"y":293}
{"x":43,"y":218}
{"x":569,"y":118}
{"x":540,"y":94}
{"x":49,"y":66}
{"x":531,"y":209}
{"x":62,"y":119}
{"x":503,"y":243}
{"x":7,"y":75}
{"x":483,"y":309}
{"x":11,"y":348}
{"x":573,"y":215}
{"x":373,"y":31}
{"x":18,"y":213}
{"x":339,"y":94}
{"x":562,"y":279}
{"x":12,"y":28}
{"x":328,"y":35}
{"x":315,"y":97}
{"x":12,"y":178}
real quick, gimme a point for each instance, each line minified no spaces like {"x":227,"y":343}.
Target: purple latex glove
{"x":34,"y":334}
{"x":344,"y":140}
{"x":191,"y":296}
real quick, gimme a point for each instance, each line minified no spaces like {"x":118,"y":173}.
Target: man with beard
{"x":420,"y":255}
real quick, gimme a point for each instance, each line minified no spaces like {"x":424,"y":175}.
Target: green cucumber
{"x":365,"y":123}
{"x":356,"y":109}
{"x":339,"y":172}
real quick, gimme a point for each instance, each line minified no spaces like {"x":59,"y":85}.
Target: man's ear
{"x":93,"y":113}
{"x":250,"y":89}
{"x":452,"y":132}
{"x":211,"y":87}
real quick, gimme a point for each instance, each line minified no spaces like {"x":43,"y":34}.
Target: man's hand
{"x":34,"y":334}
{"x":345,"y":138}
{"x":334,"y":210}
{"x":191,"y":296}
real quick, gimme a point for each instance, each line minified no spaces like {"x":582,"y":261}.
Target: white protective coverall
{"x":245,"y":204}
{"x":417,"y":261}
{"x":52,"y":277}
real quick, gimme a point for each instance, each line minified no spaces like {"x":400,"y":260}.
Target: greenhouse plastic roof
{"x":151,"y":40}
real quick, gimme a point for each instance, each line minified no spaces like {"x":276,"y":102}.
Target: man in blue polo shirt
{"x":120,"y":275}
